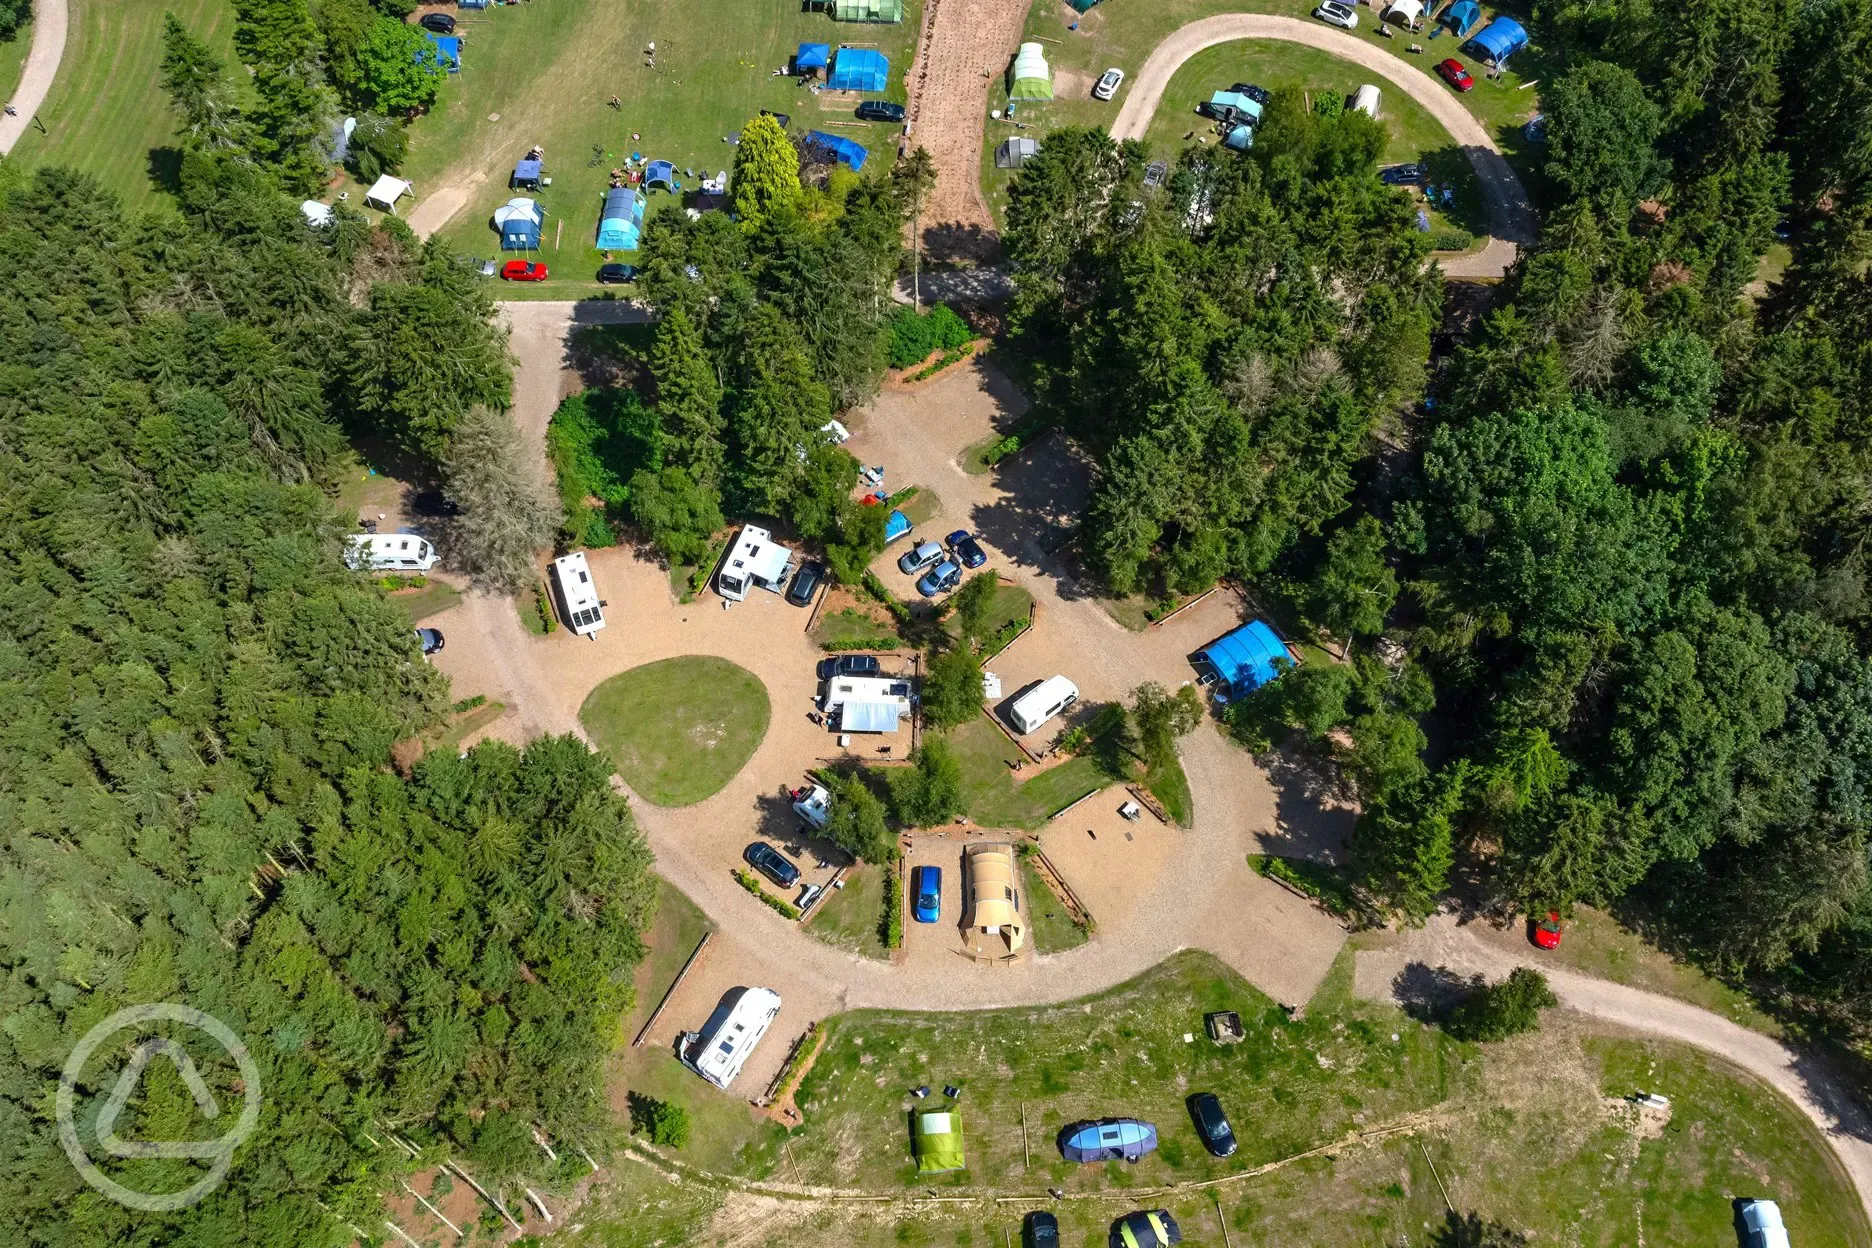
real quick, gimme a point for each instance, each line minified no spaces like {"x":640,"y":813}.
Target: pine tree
{"x":688,"y":397}
{"x":201,"y":97}
{"x":766,"y":173}
{"x":507,"y":514}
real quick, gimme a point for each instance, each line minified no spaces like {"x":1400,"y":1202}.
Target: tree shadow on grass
{"x":1428,"y":993}
{"x":165,"y":169}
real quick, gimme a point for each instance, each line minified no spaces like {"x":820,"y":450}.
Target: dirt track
{"x":964,"y":44}
{"x":1510,"y":216}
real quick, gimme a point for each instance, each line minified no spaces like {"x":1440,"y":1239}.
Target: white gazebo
{"x":385,"y":191}
{"x":315,"y":213}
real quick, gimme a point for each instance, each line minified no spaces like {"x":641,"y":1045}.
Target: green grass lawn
{"x":1171,"y":787}
{"x":850,"y":628}
{"x":13,"y":59}
{"x":1048,"y":927}
{"x":922,"y":507}
{"x":432,"y":599}
{"x":106,"y":113}
{"x":679,"y":729}
{"x":1012,"y":604}
{"x":543,"y":73}
{"x":849,"y":917}
{"x":989,"y":792}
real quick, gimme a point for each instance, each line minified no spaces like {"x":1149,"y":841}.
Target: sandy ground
{"x":432,"y":213}
{"x":964,"y":44}
{"x":1510,"y":215}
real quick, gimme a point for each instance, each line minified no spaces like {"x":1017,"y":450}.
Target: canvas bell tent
{"x":867,"y":10}
{"x":1030,"y":78}
{"x":620,"y":226}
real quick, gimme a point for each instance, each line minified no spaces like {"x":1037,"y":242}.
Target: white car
{"x":1762,"y":1226}
{"x":1333,"y":13}
{"x":1108,"y":84}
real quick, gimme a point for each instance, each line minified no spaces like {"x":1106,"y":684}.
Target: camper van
{"x":721,"y":1048}
{"x":757,"y":561}
{"x":579,"y":604}
{"x":390,"y":552}
{"x":1042,"y":702}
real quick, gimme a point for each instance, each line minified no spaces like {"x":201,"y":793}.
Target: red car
{"x":1452,"y":72}
{"x":1547,"y":931}
{"x":523,"y":271}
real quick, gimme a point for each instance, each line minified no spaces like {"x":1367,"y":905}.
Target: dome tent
{"x":659,"y":173}
{"x":1461,"y":17}
{"x":1015,"y":152}
{"x":518,"y":221}
{"x":1030,"y":78}
{"x":620,"y":225}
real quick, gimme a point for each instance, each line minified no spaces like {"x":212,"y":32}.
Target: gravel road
{"x":50,"y":21}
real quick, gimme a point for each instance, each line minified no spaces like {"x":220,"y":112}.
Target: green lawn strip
{"x":13,"y":54}
{"x":851,"y":629}
{"x":1048,"y":926}
{"x":1329,"y":885}
{"x":851,"y":918}
{"x":106,"y":114}
{"x":635,"y":1206}
{"x":989,"y":792}
{"x":549,"y":70}
{"x":1170,"y":786}
{"x":1013,"y":605}
{"x":679,"y":729}
{"x":432,"y":599}
{"x":922,"y":507}
{"x":469,"y":721}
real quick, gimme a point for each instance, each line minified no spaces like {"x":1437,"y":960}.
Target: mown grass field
{"x":1048,"y":927}
{"x":990,"y":793}
{"x":849,"y":918}
{"x":678,"y":729}
{"x":13,"y":59}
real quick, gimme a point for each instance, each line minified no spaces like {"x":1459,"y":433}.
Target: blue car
{"x":940,"y":579}
{"x":928,"y":894}
{"x":967,"y":549}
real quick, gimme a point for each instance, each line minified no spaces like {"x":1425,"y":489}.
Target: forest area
{"x":1601,"y":555}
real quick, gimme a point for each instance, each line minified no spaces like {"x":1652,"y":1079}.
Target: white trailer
{"x":390,"y":552}
{"x":579,"y":604}
{"x":755,"y":562}
{"x":722,"y":1047}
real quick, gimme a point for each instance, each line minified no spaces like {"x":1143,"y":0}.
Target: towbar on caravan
{"x":721,"y":1048}
{"x":579,"y":604}
{"x":756,"y":560}
{"x":389,"y":552}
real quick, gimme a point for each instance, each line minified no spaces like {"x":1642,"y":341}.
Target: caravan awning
{"x":869,"y":716}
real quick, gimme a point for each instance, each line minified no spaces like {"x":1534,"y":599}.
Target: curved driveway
{"x":50,"y":20}
{"x":1510,"y":216}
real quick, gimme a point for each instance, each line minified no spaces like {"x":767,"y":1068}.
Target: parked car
{"x":523,"y":271}
{"x":1762,"y":1226}
{"x":880,"y":110}
{"x":1259,"y":95}
{"x":1145,"y":1228}
{"x":1212,"y":1124}
{"x":1452,"y":72}
{"x":805,"y":584}
{"x":441,"y":23}
{"x":1040,"y":1229}
{"x":1547,"y":931}
{"x":1334,"y":13}
{"x":1401,"y":175}
{"x":1108,"y":84}
{"x":967,"y":549}
{"x":769,"y":861}
{"x":616,"y":274}
{"x":1155,"y":173}
{"x":928,"y":894}
{"x":850,"y":665}
{"x":920,"y":556}
{"x":431,"y":639}
{"x":940,"y":579}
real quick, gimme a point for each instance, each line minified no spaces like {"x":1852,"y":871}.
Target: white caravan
{"x":721,"y":1048}
{"x":755,"y":561}
{"x":1042,"y":702}
{"x":579,"y":604}
{"x":390,"y":552}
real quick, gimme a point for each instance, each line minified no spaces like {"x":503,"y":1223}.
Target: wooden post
{"x":1436,"y":1176}
{"x":1226,"y":1243}
{"x":558,"y":233}
{"x":1025,"y":1154}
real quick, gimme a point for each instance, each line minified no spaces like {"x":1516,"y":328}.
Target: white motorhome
{"x":814,"y":805}
{"x":390,"y":552}
{"x":867,"y":703}
{"x":1042,"y":702}
{"x":756,"y":561}
{"x":579,"y":604}
{"x":721,"y":1048}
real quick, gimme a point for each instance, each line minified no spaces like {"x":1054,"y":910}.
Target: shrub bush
{"x":784,"y":908}
{"x":1452,"y":240}
{"x":914,"y":337}
{"x":893,"y":905}
{"x":664,"y":1123}
{"x":597,"y":441}
{"x":1496,"y":1011}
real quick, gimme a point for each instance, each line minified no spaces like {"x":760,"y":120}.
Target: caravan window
{"x":731,"y":583}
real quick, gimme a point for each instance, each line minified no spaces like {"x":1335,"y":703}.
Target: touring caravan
{"x":390,"y":552}
{"x":756,"y":561}
{"x":1042,"y":702}
{"x":722,"y":1047}
{"x":579,"y":604}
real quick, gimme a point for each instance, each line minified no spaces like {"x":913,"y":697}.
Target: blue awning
{"x":838,"y":147}
{"x":1247,"y":658}
{"x":1237,"y":101}
{"x":869,"y":716}
{"x":812,"y":56}
{"x":526,"y":171}
{"x":660,"y":171}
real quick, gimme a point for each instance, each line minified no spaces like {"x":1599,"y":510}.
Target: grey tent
{"x":1015,"y":152}
{"x":1107,"y":1139}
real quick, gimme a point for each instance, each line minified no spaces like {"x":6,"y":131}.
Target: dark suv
{"x":878,"y":110}
{"x":1212,"y":1124}
{"x":850,"y":665}
{"x":767,"y":860}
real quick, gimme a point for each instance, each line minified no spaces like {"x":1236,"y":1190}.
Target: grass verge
{"x":679,"y":729}
{"x":852,"y":918}
{"x":1048,"y":926}
{"x":432,"y":599}
{"x":989,"y":792}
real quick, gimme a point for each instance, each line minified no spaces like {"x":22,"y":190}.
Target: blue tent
{"x":1461,"y":17}
{"x":1239,"y":139}
{"x":1107,"y":1139}
{"x":895,"y":526}
{"x":812,"y":56}
{"x":860,"y":69}
{"x":447,"y":51}
{"x":660,"y":171}
{"x":518,"y":221}
{"x":472,"y":4}
{"x":1245,"y":659}
{"x":526,"y":175}
{"x":1243,"y":105}
{"x":1497,"y":41}
{"x":838,"y":148}
{"x":620,"y":225}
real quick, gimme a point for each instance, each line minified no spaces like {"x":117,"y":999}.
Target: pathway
{"x":1809,"y":1082}
{"x":1510,"y":216}
{"x":50,"y":21}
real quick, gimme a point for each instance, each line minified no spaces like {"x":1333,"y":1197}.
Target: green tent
{"x":867,"y":10}
{"x":936,"y":1137}
{"x":1030,"y":79}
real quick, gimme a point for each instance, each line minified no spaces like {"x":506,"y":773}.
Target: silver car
{"x":922,"y":555}
{"x":1333,"y":13}
{"x":1108,"y":84}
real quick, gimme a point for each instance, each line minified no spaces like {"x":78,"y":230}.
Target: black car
{"x":767,"y":860}
{"x":1258,"y":94}
{"x":1212,"y":1124}
{"x":878,"y":110}
{"x":785,"y":119}
{"x":440,"y":23}
{"x":805,"y":584}
{"x":1040,"y":1229}
{"x":1401,"y":175}
{"x":616,"y":274}
{"x":850,"y":665}
{"x":967,"y":549}
{"x":431,"y":639}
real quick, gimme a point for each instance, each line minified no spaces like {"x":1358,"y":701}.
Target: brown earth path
{"x":1510,"y":215}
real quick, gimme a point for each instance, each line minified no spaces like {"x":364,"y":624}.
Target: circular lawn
{"x":678,"y":730}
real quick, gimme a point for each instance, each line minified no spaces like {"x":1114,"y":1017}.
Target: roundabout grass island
{"x":678,"y":730}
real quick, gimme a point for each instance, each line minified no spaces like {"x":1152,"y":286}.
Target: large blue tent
{"x":620,"y":225}
{"x":1461,"y":17}
{"x":1243,"y":105}
{"x":1107,"y":1139}
{"x":860,"y":69}
{"x":839,"y":148}
{"x":447,"y":51}
{"x":1497,"y":41}
{"x":1246,"y":658}
{"x":519,"y":221}
{"x":812,"y":56}
{"x":659,"y":173}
